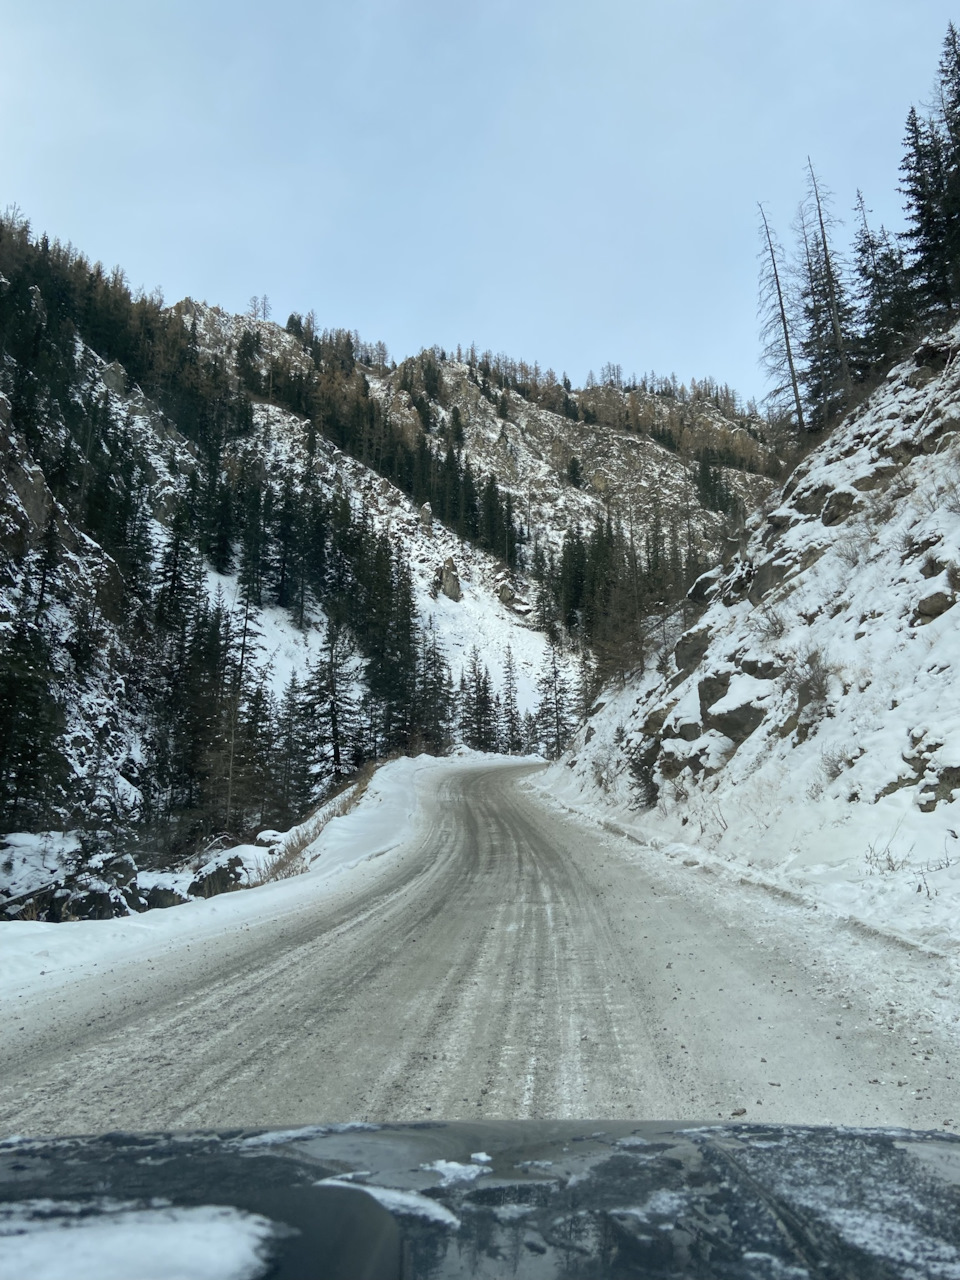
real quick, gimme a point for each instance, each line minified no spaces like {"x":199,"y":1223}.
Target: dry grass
{"x":290,"y":861}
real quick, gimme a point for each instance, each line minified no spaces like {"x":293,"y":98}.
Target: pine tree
{"x":554,"y":718}
{"x":949,"y":119}
{"x":294,"y":766}
{"x":511,"y":724}
{"x":924,"y":186}
{"x":242,"y":681}
{"x":253,"y":543}
{"x":886,"y":310}
{"x":824,"y":309}
{"x":571,"y":579}
{"x":335,"y":711}
{"x":826,"y":316}
{"x":478,"y":725}
{"x":33,"y":768}
{"x":434,"y":714}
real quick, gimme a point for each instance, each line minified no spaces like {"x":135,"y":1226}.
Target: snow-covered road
{"x":506,"y":960}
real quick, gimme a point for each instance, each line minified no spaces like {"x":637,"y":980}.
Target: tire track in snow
{"x":508,"y":962}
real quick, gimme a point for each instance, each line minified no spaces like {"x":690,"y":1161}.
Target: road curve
{"x":511,"y":961}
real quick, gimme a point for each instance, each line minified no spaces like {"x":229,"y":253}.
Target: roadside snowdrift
{"x":807,"y":726}
{"x":35,"y":952}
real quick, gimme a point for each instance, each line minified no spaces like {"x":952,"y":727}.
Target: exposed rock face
{"x":690,"y":648}
{"x":837,"y":507}
{"x":818,"y":679}
{"x":920,"y":377}
{"x":219,"y":878}
{"x":712,"y":688}
{"x":37,"y":305}
{"x":450,"y":580}
{"x":761,"y":668}
{"x":933,"y":605}
{"x":705,"y":588}
{"x":688,"y":731}
{"x":160,"y":897}
{"x":769,"y":573}
{"x":426,"y":518}
{"x":115,"y":377}
{"x":736,"y":723}
{"x":25,"y":502}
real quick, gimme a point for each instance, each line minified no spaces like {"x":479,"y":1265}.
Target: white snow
{"x":451,"y":1171}
{"x":275,"y":1137}
{"x":894,"y":1242}
{"x":29,"y":861}
{"x":661,"y":1204}
{"x":35,"y":953}
{"x":46,"y":1240}
{"x":847,"y":794}
{"x":409,"y":1202}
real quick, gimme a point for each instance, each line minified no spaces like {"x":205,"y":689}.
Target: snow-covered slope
{"x":94,"y":660}
{"x":527,"y":443}
{"x":493,"y":611}
{"x":234,"y":439}
{"x":807,"y":724}
{"x":624,"y":471}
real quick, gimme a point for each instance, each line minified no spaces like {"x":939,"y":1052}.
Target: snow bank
{"x":34,"y":953}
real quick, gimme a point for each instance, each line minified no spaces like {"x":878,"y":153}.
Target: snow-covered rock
{"x":806,"y":726}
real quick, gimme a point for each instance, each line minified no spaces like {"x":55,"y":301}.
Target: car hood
{"x":493,"y":1199}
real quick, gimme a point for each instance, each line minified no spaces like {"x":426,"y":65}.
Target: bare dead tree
{"x":775,"y":331}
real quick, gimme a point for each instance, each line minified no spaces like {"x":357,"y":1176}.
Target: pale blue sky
{"x":567,"y":182}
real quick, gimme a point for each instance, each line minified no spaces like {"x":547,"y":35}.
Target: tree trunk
{"x":783,"y":322}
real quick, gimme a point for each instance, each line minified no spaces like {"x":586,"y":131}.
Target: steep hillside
{"x":806,"y":724}
{"x":239,"y":562}
{"x":210,"y":616}
{"x":675,"y":467}
{"x":83,"y":751}
{"x":665,"y":460}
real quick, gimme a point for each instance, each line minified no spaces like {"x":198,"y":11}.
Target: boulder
{"x":114,"y":377}
{"x":450,"y":580}
{"x":933,"y":605}
{"x":217,"y":877}
{"x":426,"y":518}
{"x":158,"y":897}
{"x":838,"y":507}
{"x":769,"y":573}
{"x":690,"y":648}
{"x":705,"y":587}
{"x":712,"y":688}
{"x":740,"y":710}
{"x":809,"y":502}
{"x":880,"y":473}
{"x":736,"y":723}
{"x":761,"y":668}
{"x":97,"y":904}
